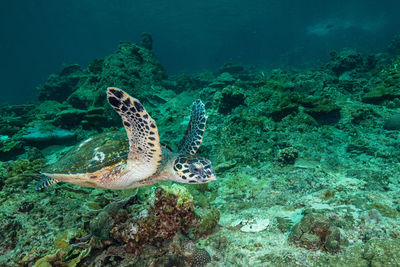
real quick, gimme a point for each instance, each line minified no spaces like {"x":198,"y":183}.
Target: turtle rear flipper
{"x":144,"y":143}
{"x":195,"y":130}
{"x":45,"y":182}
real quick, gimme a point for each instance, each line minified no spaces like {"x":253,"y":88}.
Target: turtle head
{"x":193,"y":170}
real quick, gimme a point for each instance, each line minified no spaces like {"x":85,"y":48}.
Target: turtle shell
{"x":93,"y":154}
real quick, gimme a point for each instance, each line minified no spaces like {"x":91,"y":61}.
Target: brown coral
{"x":164,"y":219}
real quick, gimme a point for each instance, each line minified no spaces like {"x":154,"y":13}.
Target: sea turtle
{"x":110,"y":160}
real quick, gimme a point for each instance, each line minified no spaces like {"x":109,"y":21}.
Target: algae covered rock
{"x":382,"y":252}
{"x":207,"y":220}
{"x":10,"y":148}
{"x":388,"y":87}
{"x":315,"y":231}
{"x":394,"y":45}
{"x":229,"y":98}
{"x":21,"y":172}
{"x":93,"y":117}
{"x":45,"y":135}
{"x":322,"y":109}
{"x":392,"y":123}
{"x":60,"y":87}
{"x":132,"y":67}
{"x":345,"y":61}
{"x":380,"y":93}
{"x":9,"y":228}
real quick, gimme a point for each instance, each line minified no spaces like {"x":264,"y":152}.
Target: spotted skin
{"x":195,"y":130}
{"x":45,"y":182}
{"x":193,"y":170}
{"x":144,"y":141}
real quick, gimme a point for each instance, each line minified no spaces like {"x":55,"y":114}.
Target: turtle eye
{"x":195,"y":169}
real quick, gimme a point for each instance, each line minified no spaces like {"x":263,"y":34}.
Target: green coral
{"x":184,"y":198}
{"x":208,"y":220}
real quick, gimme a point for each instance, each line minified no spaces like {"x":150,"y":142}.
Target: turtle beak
{"x":213,"y":176}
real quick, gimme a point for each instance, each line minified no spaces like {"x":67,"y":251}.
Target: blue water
{"x":37,"y":37}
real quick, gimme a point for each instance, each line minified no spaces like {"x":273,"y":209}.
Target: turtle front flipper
{"x":144,"y":143}
{"x":195,"y":130}
{"x":45,"y":182}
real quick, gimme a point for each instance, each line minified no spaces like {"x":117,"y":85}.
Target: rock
{"x":380,"y":93}
{"x":60,"y":87}
{"x":394,"y":46}
{"x":226,"y":78}
{"x":384,"y":210}
{"x":353,"y":256}
{"x":283,"y":224}
{"x":225,"y":165}
{"x":281,"y":111}
{"x":132,"y":68}
{"x":10,"y":148}
{"x":230,"y":98}
{"x":42,"y":136}
{"x":315,"y":231}
{"x":231,"y":67}
{"x":322,"y":110}
{"x":255,"y":226}
{"x":207,"y":221}
{"x":146,"y":41}
{"x":388,"y":87}
{"x":70,"y":117}
{"x":382,"y":252}
{"x":392,"y":123}
{"x":345,"y":61}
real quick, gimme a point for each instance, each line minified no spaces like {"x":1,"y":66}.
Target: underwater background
{"x":303,"y":105}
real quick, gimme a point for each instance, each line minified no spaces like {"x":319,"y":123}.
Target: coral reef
{"x":123,"y":232}
{"x":169,"y":214}
{"x":306,"y":159}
